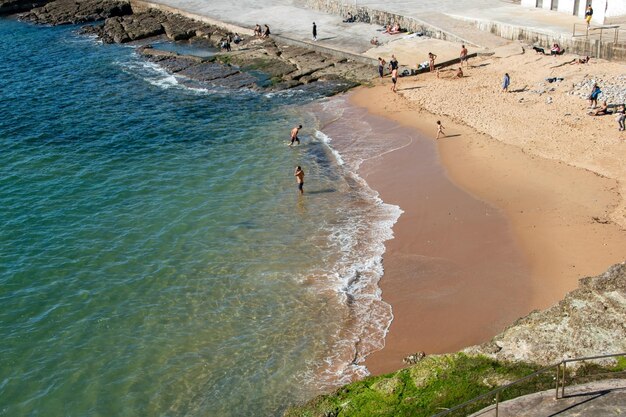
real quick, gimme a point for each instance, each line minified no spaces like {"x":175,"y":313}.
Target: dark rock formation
{"x":128,"y":28}
{"x":63,"y":12}
{"x":18,"y":6}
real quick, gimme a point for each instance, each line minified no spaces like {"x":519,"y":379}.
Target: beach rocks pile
{"x":613,"y":88}
{"x":64,"y":12}
{"x":590,"y":320}
{"x":136,"y":26}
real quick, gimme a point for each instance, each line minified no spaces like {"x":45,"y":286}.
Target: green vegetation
{"x":430,"y":386}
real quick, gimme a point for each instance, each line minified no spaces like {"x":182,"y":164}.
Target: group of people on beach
{"x":262,"y":33}
{"x":594,"y":110}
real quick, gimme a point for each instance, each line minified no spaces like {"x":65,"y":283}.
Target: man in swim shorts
{"x":463,"y":55}
{"x":300,"y":178}
{"x":294,"y":134}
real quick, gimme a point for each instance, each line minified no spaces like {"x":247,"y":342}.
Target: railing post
{"x":556,"y":385}
{"x":497,"y":402}
{"x":563,"y":386}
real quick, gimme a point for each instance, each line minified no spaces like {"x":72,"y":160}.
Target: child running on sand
{"x":440,"y":129}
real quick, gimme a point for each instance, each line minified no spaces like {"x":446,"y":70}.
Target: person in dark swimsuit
{"x":381,"y":67}
{"x":299,"y":174}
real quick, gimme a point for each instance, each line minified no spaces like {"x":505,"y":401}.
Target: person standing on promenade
{"x":431,"y":61}
{"x":463,"y":56}
{"x":299,"y":174}
{"x":381,"y":67}
{"x":294,"y":135}
{"x":440,"y":129}
{"x":314,"y":31}
{"x":506,"y":81}
{"x":394,"y":79}
{"x":588,"y":15}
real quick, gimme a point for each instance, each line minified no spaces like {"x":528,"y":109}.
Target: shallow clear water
{"x":155,"y":257}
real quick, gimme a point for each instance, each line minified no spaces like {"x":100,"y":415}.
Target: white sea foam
{"x":359,"y":243}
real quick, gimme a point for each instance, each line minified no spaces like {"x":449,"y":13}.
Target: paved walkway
{"x":292,"y":19}
{"x":597,"y":399}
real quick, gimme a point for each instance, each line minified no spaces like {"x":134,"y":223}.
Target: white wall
{"x":601,"y":8}
{"x":616,"y":8}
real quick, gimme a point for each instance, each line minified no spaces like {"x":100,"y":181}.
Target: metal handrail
{"x":589,"y":29}
{"x":560,"y":383}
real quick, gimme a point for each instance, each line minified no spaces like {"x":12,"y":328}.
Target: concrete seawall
{"x":576,"y":45}
{"x":382,"y":18}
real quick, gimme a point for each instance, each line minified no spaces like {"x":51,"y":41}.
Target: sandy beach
{"x":546,"y":184}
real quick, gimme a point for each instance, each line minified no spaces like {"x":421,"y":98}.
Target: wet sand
{"x":488,"y":233}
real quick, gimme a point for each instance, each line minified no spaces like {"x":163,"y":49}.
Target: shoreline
{"x":551,"y":240}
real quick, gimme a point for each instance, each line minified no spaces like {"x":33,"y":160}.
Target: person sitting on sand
{"x":604,"y":109}
{"x":394,"y":29}
{"x":266,"y":32}
{"x":237,"y":39}
{"x":257,"y":30}
{"x":349,"y":18}
{"x":555,"y":50}
{"x":374,"y":41}
{"x":459,"y":73}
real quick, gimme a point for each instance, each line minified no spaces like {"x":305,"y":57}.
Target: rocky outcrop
{"x":590,"y":320}
{"x":64,"y":12}
{"x":18,"y":6}
{"x":123,"y":29}
{"x":282,"y":66}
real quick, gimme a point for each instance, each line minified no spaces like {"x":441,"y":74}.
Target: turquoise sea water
{"x":155,"y":257}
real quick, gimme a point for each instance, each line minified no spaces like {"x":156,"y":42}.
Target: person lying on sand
{"x":459,"y":73}
{"x":580,"y":60}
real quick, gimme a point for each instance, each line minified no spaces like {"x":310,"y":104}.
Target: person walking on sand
{"x":588,"y":15}
{"x":463,"y":56}
{"x":506,"y":81}
{"x":314,"y":31}
{"x":620,"y":116}
{"x":440,"y":131}
{"x":381,"y":67}
{"x":294,"y":135}
{"x":394,"y":79}
{"x":299,"y":174}
{"x":431,"y":61}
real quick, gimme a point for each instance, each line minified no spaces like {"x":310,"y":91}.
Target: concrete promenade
{"x":457,"y":18}
{"x":596,"y":399}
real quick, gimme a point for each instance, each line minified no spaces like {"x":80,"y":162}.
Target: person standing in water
{"x":299,"y":174}
{"x":294,"y":135}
